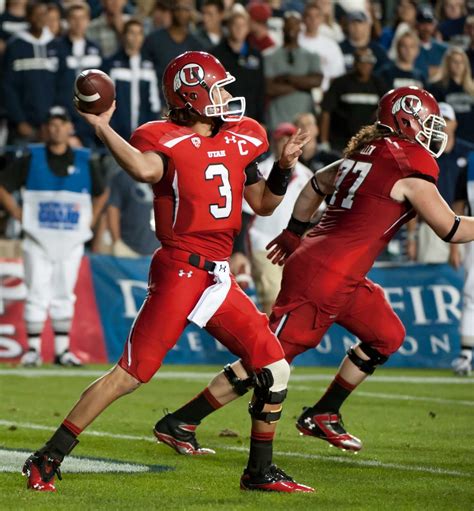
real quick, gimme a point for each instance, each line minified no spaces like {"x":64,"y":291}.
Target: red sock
{"x":75,"y":430}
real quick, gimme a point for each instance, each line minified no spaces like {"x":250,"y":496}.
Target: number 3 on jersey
{"x":353,"y":167}
{"x":225,"y":191}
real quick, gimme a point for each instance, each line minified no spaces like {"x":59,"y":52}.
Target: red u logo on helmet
{"x":191,"y":74}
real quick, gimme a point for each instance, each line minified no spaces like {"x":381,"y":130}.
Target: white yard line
{"x":394,"y":397}
{"x":206,"y":376}
{"x":349,"y":460}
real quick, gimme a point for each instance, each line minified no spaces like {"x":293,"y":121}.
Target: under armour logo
{"x":309,"y":423}
{"x":228,"y":140}
{"x":188,"y":274}
{"x":222,"y":267}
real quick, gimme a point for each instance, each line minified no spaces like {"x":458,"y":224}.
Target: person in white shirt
{"x":267,"y":276}
{"x":313,"y":40}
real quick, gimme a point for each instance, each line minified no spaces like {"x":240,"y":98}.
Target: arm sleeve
{"x":14,"y":176}
{"x":253,"y":174}
{"x":240,"y":244}
{"x":461,"y":186}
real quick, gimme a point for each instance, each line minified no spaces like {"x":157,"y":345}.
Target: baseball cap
{"x":425,"y":14}
{"x":284,"y":129}
{"x":58,"y":112}
{"x":259,"y":12}
{"x":447,"y":111}
{"x":357,"y":16}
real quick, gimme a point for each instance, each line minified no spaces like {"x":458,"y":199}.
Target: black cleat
{"x":180,"y":436}
{"x":274,"y":479}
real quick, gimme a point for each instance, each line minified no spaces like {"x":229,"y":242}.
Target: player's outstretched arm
{"x":146,"y":167}
{"x":308,"y":201}
{"x":10,"y":204}
{"x":429,"y":204}
{"x":264,"y":196}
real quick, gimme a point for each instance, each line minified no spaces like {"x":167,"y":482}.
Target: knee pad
{"x":270,"y":389}
{"x":366,"y":366}
{"x":239,"y":385}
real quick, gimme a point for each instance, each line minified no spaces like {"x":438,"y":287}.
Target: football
{"x":94,"y":91}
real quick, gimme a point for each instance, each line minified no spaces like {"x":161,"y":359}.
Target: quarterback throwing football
{"x":201,"y":164}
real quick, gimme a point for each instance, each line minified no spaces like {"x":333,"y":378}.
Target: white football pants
{"x":467,"y":319}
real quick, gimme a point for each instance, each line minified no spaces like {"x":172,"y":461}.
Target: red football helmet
{"x":195,"y":80}
{"x":414,"y":113}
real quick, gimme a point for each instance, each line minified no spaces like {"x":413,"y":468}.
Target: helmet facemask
{"x":230,"y":110}
{"x":432,"y":136}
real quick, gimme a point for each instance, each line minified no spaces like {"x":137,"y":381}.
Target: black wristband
{"x":454,"y":228}
{"x":314,"y":184}
{"x":278,"y":179}
{"x":297,"y":226}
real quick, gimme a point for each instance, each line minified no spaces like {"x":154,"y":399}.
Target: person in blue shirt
{"x":431,"y":50}
{"x":76,"y":53}
{"x":358,"y":36}
{"x":12,"y":20}
{"x":135,"y":82}
{"x":30,"y":76}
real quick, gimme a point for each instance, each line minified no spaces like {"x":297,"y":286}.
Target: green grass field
{"x":417,"y":429}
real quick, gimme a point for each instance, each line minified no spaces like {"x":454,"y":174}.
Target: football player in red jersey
{"x":388,"y":175}
{"x":201,"y":164}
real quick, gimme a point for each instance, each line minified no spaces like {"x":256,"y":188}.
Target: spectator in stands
{"x":160,"y":16}
{"x":455,"y":86}
{"x":12,"y":20}
{"x":267,"y":276}
{"x":452,"y":16}
{"x":405,"y":20}
{"x":429,"y":248}
{"x":210,"y":33}
{"x":291,"y":73}
{"x":63,"y":195}
{"x":464,"y":205}
{"x":135,"y":82}
{"x":358,"y":36}
{"x":76,"y":53}
{"x":130,"y":217}
{"x":30,"y":76}
{"x":259,"y":36}
{"x":330,"y":27}
{"x":329,"y":52}
{"x":244,"y":63}
{"x":313,"y":156}
{"x":350,"y":102}
{"x":54,"y":19}
{"x":164,"y":44}
{"x":402,"y":72}
{"x":105,"y":30}
{"x":431,"y":50}
{"x":469,"y":29}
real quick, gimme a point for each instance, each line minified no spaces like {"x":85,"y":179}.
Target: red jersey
{"x":362,"y":217}
{"x":198,"y":202}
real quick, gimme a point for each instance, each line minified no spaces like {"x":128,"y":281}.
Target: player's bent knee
{"x":240,"y":385}
{"x":124,"y":382}
{"x":366,"y":366}
{"x":271,"y":389}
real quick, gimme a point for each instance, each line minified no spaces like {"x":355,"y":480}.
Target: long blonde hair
{"x":364,"y":136}
{"x":444,"y":76}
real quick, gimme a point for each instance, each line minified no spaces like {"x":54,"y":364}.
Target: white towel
{"x":213,"y":296}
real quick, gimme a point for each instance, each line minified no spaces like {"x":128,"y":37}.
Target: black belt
{"x":193,"y":259}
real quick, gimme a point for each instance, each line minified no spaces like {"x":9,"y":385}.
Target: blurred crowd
{"x":320,"y":65}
